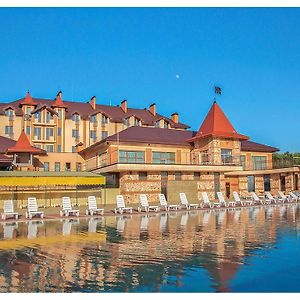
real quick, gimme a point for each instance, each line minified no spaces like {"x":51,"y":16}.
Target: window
{"x":226,"y":156}
{"x":136,"y":122}
{"x":74,"y":149}
{"x":38,"y":146}
{"x":49,"y":133}
{"x":78,"y":167}
{"x":104,"y":119}
{"x":166,"y":124}
{"x":28,"y":110}
{"x":137,"y":157}
{"x":163,"y":157}
{"x":46,"y":166}
{"x":177,"y":175}
{"x":38,"y":116}
{"x":9,"y":113}
{"x":251,"y":184}
{"x":157,"y":124}
{"x":27,"y":129}
{"x":9,"y":130}
{"x":93,"y":135}
{"x":267,"y":183}
{"x":282,"y":183}
{"x":93,"y":119}
{"x":197,"y":176}
{"x":127,"y":122}
{"x":37,"y":132}
{"x":259,"y":162}
{"x":57,"y":167}
{"x":75,"y":133}
{"x":75,"y":118}
{"x":49,"y":117}
{"x":59,"y":114}
{"x":68,"y":167}
{"x":58,"y":131}
{"x":49,"y":148}
{"x":104,"y":135}
{"x":142,"y":175}
{"x":243,"y":161}
{"x":58,"y":148}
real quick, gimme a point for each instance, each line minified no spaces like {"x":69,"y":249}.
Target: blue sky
{"x":135,"y":54}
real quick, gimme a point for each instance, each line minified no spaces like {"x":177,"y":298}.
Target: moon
{"x":177,"y":76}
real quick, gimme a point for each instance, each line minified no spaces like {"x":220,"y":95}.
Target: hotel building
{"x":138,"y":150}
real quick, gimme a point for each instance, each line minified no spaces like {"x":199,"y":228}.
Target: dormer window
{"x":38,"y":116}
{"x":136,"y":122}
{"x":75,"y":118}
{"x":157,"y":124}
{"x":166,"y":124}
{"x":9,"y":113}
{"x":126,"y":122}
{"x":93,"y":119}
{"x":104,"y":119}
{"x":28,"y":110}
{"x":49,"y":117}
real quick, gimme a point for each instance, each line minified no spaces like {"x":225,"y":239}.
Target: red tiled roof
{"x":256,"y":147}
{"x":85,"y":110}
{"x":149,"y":135}
{"x":217,"y":124}
{"x":23,"y":146}
{"x":27,"y":100}
{"x":5,"y":159}
{"x":58,"y":102}
{"x":6,"y":143}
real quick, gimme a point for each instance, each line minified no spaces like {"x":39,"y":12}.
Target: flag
{"x":218,"y":90}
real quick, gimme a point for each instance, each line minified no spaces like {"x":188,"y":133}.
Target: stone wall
{"x":259,"y":184}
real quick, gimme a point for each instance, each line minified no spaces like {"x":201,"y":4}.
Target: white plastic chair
{"x":144,"y":204}
{"x":206,"y":201}
{"x":92,"y":207}
{"x":164,"y":204}
{"x":283,"y":198}
{"x":121,"y":205}
{"x":67,"y":209}
{"x":256,"y":199}
{"x":185,"y":203}
{"x":223,"y":202}
{"x":32,"y":209}
{"x":240,"y":202}
{"x":8,"y":210}
{"x":270,"y":199}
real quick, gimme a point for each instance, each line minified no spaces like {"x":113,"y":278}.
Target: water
{"x":243,"y":250}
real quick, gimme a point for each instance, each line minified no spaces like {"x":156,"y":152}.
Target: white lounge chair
{"x":184,"y":202}
{"x":293,"y":196}
{"x":270,"y":198}
{"x":144,"y":204}
{"x":121,"y":205}
{"x":255,"y":199}
{"x":223,"y":202}
{"x":240,"y":202}
{"x":206,"y":201}
{"x":92,"y":207}
{"x":67,"y":209}
{"x":32,"y":209}
{"x":164,"y":204}
{"x":8,"y":210}
{"x":283,"y":198}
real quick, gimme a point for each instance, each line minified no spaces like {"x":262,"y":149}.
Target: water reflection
{"x":211,"y":250}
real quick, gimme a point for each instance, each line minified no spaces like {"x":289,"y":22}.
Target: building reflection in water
{"x":141,"y":252}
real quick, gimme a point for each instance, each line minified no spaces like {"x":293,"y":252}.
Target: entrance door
{"x":164,"y":180}
{"x":216,"y":183}
{"x":296,"y":182}
{"x":282,"y":183}
{"x":227,"y":187}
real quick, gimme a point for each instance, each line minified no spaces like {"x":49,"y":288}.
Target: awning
{"x":16,"y":178}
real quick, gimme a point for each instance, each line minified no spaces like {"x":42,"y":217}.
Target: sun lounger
{"x":144,"y":204}
{"x":164,"y":204}
{"x":8,"y":229}
{"x":270,"y":198}
{"x":121,"y":205}
{"x":184,"y":202}
{"x":67,"y":209}
{"x":255,"y":199}
{"x":92,"y":207}
{"x":223,"y":202}
{"x":8,"y":210}
{"x":293,"y":196}
{"x":206,"y":201}
{"x":32,"y":209}
{"x":239,"y":202}
{"x":283,"y":198}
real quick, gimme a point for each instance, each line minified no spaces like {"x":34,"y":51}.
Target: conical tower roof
{"x":58,"y":102}
{"x":28,"y":100}
{"x":217,"y":124}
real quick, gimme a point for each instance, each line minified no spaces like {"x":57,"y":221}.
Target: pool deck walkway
{"x":52,"y":213}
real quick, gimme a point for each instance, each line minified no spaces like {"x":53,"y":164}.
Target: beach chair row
{"x":92,"y":209}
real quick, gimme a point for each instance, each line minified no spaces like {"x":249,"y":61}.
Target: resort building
{"x":138,"y":150}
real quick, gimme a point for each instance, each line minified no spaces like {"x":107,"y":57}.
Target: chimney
{"x":93,"y":102}
{"x":153,"y":109}
{"x":175,"y":117}
{"x":124,"y":105}
{"x":59,"y":95}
